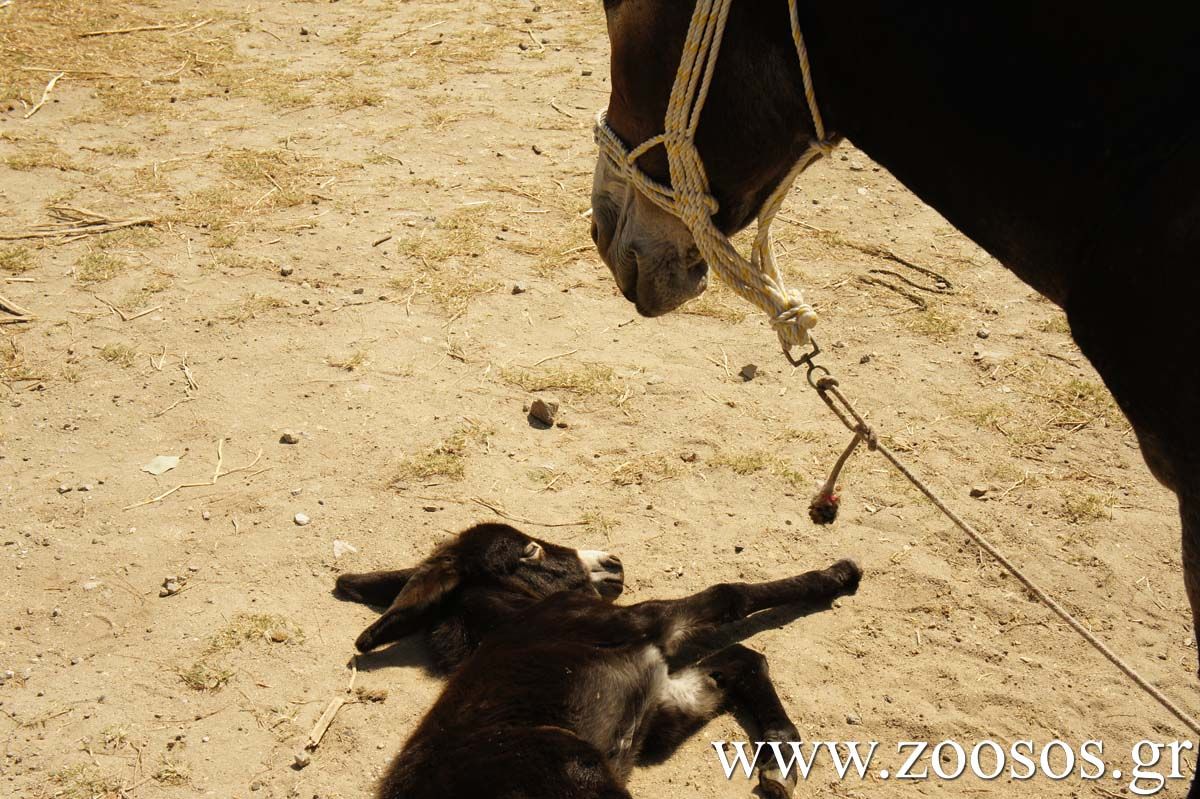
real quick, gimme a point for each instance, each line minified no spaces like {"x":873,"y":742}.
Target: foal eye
{"x":533,"y":552}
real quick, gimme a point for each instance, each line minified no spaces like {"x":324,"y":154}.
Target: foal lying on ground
{"x":556,"y":693}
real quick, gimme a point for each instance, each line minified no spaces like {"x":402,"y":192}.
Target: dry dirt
{"x":344,"y":195}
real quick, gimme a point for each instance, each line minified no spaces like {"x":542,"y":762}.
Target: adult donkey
{"x":1064,"y":138}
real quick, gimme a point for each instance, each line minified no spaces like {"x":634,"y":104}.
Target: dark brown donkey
{"x":1064,"y":138}
{"x":555,"y":692}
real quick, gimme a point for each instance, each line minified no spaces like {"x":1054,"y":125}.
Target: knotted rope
{"x":824,"y":508}
{"x":758,"y":279}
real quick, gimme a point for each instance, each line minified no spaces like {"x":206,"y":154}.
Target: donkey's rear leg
{"x":736,"y":679}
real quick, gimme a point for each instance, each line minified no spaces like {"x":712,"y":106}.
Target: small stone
{"x":343,"y":548}
{"x":193,"y":567}
{"x":91,"y":585}
{"x":171,"y":586}
{"x":256,"y":785}
{"x":204,"y":740}
{"x":286,"y":271}
{"x":279,"y":635}
{"x":75,"y":661}
{"x":301,"y":519}
{"x":852,"y":719}
{"x":560,"y":424}
{"x":983,"y":333}
{"x":544,"y":410}
{"x":519,"y":288}
{"x":85,"y":487}
{"x":205,"y":515}
{"x":302,"y":759}
{"x":536,"y":150}
{"x":358,"y":291}
{"x":304,"y":31}
{"x":430,"y":508}
{"x":979,"y":492}
{"x":738,"y":549}
{"x":295,"y":492}
{"x":748,"y":372}
{"x":54,"y":614}
{"x":587,"y":73}
{"x":865,"y":359}
{"x":689,"y":457}
{"x":64,"y":488}
{"x":289,"y":437}
{"x":371,"y":694}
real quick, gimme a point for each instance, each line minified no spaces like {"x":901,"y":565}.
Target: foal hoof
{"x":848,"y":572}
{"x":772,"y":784}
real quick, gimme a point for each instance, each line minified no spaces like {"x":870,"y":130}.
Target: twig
{"x":384,"y":240}
{"x":541,"y":47}
{"x":124,"y":316}
{"x":45,"y":95}
{"x":116,"y":31}
{"x":187,"y":372}
{"x":217,"y":475}
{"x":510,"y":517}
{"x":548,"y":358}
{"x":173,"y":405}
{"x":322,"y":726}
{"x":79,"y":221}
{"x":11,"y":307}
{"x":559,"y":110}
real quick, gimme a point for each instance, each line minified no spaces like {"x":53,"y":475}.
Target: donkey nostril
{"x":611,"y":563}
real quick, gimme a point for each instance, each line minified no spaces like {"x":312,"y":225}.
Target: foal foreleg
{"x":373,"y":588}
{"x":728,"y":602}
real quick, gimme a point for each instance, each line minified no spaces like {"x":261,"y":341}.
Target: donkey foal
{"x":555,"y":692}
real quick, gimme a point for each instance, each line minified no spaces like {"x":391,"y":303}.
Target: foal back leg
{"x":734,"y":679}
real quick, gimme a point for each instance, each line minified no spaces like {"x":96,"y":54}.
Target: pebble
{"x":205,"y":515}
{"x":289,"y":437}
{"x":852,"y":719}
{"x":91,"y":585}
{"x":748,"y":372}
{"x":544,"y":410}
{"x":54,"y":614}
{"x":296,"y":492}
{"x":301,"y":519}
{"x":75,"y":661}
{"x":979,"y":492}
{"x":64,"y":488}
{"x":170,"y":586}
{"x":689,"y":457}
{"x":983,"y":333}
{"x":304,"y":31}
{"x":519,"y":288}
{"x":85,"y":487}
{"x":302,"y":759}
{"x":587,"y":73}
{"x":865,"y":359}
{"x":286,"y":271}
{"x":738,"y":549}
{"x":279,"y":635}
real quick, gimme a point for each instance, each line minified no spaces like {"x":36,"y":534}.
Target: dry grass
{"x":350,"y":362}
{"x":446,"y":459}
{"x":357,"y":97}
{"x":98,"y":267}
{"x":1079,"y":507}
{"x":172,"y":773}
{"x":84,"y":781}
{"x":459,"y":234}
{"x":210,"y":673}
{"x":253,"y":182}
{"x":758,"y":461}
{"x":42,"y":155}
{"x":250,"y":307}
{"x":450,"y":287}
{"x":120,"y":354}
{"x":1056,"y":324}
{"x":16,"y":260}
{"x":647,"y":469}
{"x":938,"y":326}
{"x":585,"y":380}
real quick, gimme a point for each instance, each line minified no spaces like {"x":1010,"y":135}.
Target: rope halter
{"x":688,"y":197}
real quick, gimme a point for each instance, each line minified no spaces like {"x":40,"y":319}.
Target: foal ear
{"x":424,"y":590}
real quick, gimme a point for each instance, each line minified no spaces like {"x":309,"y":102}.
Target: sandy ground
{"x":345,"y":195}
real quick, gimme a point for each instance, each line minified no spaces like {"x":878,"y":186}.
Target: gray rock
{"x":748,"y":372}
{"x":301,"y":519}
{"x":289,"y":437}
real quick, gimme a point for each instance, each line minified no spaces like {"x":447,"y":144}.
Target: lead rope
{"x":757,"y":280}
{"x":824,"y":508}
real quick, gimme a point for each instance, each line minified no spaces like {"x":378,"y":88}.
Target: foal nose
{"x":612,"y":564}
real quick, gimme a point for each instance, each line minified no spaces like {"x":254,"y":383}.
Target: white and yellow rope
{"x":758,"y":279}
